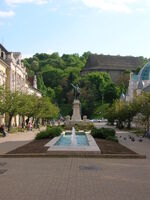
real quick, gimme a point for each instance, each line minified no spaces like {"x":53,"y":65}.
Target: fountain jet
{"x":73,"y":137}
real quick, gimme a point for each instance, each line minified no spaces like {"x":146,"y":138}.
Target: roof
{"x":134,"y":77}
{"x":3,"y":49}
{"x":104,"y":62}
{"x":140,"y":85}
{"x":146,"y":89}
{"x":144,"y":73}
{"x":6,"y":52}
{"x":16,"y":54}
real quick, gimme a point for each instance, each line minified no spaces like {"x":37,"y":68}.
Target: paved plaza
{"x":77,"y":178}
{"x":74,"y":179}
{"x":15,"y":140}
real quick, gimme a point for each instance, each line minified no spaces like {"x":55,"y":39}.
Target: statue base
{"x":76,"y":117}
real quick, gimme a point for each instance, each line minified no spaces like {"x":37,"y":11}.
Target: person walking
{"x":30,"y":126}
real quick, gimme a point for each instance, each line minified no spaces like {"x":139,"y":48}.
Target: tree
{"x":129,"y":112}
{"x":143,"y":106}
{"x":122,"y":112}
{"x":46,"y":109}
{"x":9,"y":104}
{"x":94,"y":87}
{"x":35,"y":66}
{"x":56,"y":73}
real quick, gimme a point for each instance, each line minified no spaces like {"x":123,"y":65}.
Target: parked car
{"x":104,"y":120}
{"x":95,"y":120}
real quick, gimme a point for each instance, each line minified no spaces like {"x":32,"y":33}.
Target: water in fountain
{"x":73,"y":137}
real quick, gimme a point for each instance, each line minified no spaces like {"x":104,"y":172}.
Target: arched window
{"x":2,"y":54}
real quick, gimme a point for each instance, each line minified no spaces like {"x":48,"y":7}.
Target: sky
{"x":115,"y":27}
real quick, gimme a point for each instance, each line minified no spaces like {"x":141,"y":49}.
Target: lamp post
{"x":102,"y":106}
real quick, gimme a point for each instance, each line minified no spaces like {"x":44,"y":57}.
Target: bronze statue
{"x":76,"y":91}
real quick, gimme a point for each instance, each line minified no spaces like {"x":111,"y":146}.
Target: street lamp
{"x":102,"y":106}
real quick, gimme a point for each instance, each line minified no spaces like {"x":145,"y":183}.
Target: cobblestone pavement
{"x":77,"y":178}
{"x":74,"y":179}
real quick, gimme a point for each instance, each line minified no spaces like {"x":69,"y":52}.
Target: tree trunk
{"x":129,"y":124}
{"x":9,"y":122}
{"x":27,"y":121}
{"x":148,"y":124}
{"x":23,"y":121}
{"x":120,"y":124}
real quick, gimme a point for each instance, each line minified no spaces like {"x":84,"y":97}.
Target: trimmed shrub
{"x":112,"y":138}
{"x":103,"y":133}
{"x":80,"y":126}
{"x":49,"y":133}
{"x":108,"y":132}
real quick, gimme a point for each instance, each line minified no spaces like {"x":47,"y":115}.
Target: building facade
{"x":13,"y":75}
{"x":139,"y":83}
{"x":3,"y":77}
{"x":115,"y":66}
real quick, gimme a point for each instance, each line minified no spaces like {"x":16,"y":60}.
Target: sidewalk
{"x":142,"y":148}
{"x":139,"y":147}
{"x":15,"y":140}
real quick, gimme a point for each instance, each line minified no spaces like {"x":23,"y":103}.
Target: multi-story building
{"x":13,"y":75}
{"x":3,"y":75}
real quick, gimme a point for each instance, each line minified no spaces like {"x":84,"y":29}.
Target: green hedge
{"x":104,"y":133}
{"x":114,"y":138}
{"x":49,"y":133}
{"x":85,"y":127}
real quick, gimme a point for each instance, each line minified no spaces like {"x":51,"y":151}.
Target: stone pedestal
{"x":85,"y":118}
{"x":67,"y":120}
{"x":76,"y":117}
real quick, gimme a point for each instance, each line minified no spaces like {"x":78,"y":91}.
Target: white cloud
{"x":55,"y":8}
{"x":125,"y":6}
{"x":14,"y":2}
{"x":7,"y":13}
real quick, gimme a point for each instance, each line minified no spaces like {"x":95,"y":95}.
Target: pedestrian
{"x":30,"y":126}
{"x":2,"y":130}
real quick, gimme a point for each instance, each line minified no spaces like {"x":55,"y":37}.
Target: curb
{"x":43,"y":155}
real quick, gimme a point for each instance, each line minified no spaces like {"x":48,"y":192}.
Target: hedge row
{"x":104,"y":133}
{"x":50,"y":132}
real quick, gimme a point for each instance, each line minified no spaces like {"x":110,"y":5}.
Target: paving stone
{"x":61,"y":178}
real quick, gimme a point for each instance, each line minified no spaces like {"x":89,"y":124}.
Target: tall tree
{"x":9,"y":104}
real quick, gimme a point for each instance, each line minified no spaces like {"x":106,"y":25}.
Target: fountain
{"x":72,"y":140}
{"x":73,"y":137}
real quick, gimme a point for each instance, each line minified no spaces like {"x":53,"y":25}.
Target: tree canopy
{"x":56,"y":73}
{"x":14,"y":103}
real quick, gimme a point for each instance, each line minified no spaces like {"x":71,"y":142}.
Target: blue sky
{"x":117,"y":27}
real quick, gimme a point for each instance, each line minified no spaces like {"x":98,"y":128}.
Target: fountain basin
{"x":63,"y":143}
{"x":66,"y":139}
